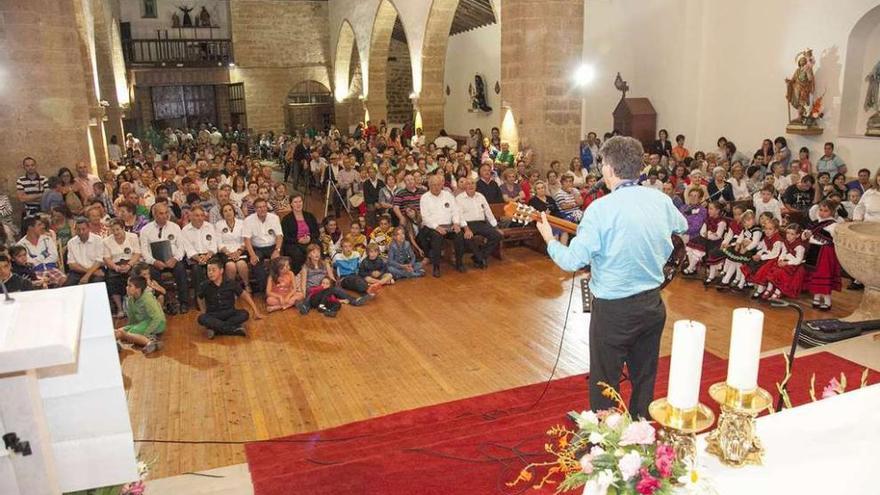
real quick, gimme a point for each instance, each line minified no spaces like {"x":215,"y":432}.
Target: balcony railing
{"x":174,"y":52}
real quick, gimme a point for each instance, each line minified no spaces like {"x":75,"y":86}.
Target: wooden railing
{"x":171,"y":52}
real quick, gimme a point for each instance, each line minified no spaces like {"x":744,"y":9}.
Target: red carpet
{"x":475,"y":445}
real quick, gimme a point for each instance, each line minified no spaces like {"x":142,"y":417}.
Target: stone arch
{"x":429,"y":84}
{"x":345,"y":43}
{"x":859,"y":52}
{"x":380,"y":42}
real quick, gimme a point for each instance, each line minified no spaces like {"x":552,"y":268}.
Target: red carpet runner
{"x":475,"y":445}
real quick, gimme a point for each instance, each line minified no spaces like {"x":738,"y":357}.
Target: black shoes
{"x":856,"y":286}
{"x":436,"y":271}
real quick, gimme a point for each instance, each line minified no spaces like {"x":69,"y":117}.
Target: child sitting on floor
{"x":694,"y":212}
{"x":146,"y":321}
{"x":281,"y":289}
{"x":785,"y":275}
{"x":382,"y":234}
{"x":323,"y":299}
{"x":347,"y":264}
{"x":374,"y":269}
{"x":825,"y":276}
{"x":143,"y":270}
{"x":358,"y":239}
{"x":402,"y":261}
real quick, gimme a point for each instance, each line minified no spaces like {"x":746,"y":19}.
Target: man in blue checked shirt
{"x":625,"y":237}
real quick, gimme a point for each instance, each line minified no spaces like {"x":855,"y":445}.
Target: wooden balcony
{"x":177,"y":52}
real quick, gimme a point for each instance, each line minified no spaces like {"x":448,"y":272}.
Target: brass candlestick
{"x":681,"y":426}
{"x":735,"y":441}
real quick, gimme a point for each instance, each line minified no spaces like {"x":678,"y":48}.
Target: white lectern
{"x":61,"y":390}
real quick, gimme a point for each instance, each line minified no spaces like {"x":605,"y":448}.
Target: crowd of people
{"x":202,"y":220}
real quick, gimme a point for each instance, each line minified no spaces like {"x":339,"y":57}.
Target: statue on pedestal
{"x":204,"y":17}
{"x":872,"y":101}
{"x":800,"y":92}
{"x":187,"y":19}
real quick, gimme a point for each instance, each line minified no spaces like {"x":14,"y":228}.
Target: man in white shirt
{"x":85,"y":256}
{"x":157,"y":231}
{"x":479,"y":221}
{"x":199,"y":244}
{"x":262,"y":239}
{"x":440,"y":220}
{"x":444,"y":141}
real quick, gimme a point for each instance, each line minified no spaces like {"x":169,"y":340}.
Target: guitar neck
{"x":559,"y":223}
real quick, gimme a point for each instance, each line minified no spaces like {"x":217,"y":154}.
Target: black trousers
{"x":261,"y":269}
{"x":431,"y":242}
{"x":490,"y":233}
{"x":354,"y":283}
{"x":297,"y":254}
{"x":73,"y":277}
{"x":224,"y":322}
{"x":199,"y":275}
{"x":180,"y":278}
{"x":627,"y":331}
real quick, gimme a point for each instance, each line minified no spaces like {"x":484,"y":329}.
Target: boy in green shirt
{"x":145,"y":317}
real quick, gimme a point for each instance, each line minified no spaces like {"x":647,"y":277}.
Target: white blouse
{"x":118,"y":252}
{"x":230,"y":239}
{"x":868,"y":209}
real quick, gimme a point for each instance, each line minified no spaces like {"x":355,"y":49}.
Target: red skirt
{"x":788,"y":279}
{"x":826,"y":276}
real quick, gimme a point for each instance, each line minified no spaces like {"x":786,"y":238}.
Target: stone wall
{"x":535,"y":74}
{"x":45,"y":104}
{"x":399,"y":84}
{"x":270,"y":59}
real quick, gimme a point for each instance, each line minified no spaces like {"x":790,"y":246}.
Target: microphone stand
{"x":7,"y":299}
{"x":794,"y":341}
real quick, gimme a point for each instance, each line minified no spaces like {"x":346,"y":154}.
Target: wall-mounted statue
{"x":478,"y":95}
{"x":800,"y":92}
{"x":872,"y":101}
{"x":187,"y":19}
{"x":204,"y":17}
{"x":175,"y":20}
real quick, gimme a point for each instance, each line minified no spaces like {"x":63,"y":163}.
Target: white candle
{"x":745,"y":349}
{"x":686,"y":368}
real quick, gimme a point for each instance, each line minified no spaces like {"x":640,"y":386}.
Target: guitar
{"x":524,"y":214}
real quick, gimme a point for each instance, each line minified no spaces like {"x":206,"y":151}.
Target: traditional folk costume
{"x":824,"y":276}
{"x":785,"y":280}
{"x":739,"y":251}
{"x":709,"y":241}
{"x":769,"y":250}
{"x":695,"y":216}
{"x":382,"y":238}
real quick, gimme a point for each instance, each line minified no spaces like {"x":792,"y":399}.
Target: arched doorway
{"x":862,"y":54}
{"x":309,"y":106}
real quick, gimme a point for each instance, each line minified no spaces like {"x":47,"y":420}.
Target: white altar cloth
{"x":830,"y":446}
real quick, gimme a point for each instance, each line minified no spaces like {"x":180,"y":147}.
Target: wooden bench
{"x":512,"y":236}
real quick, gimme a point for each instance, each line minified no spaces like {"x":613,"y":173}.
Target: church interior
{"x":326,"y":246}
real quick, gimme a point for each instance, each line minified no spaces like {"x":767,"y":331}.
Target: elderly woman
{"x":738,"y":183}
{"x":719,"y":189}
{"x":510,"y":190}
{"x":300,"y":228}
{"x":231,"y":245}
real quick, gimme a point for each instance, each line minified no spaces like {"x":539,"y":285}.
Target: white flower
{"x":596,"y":438}
{"x":586,"y":419}
{"x":629,"y":465}
{"x":596,"y":451}
{"x":599,"y":485}
{"x":613,"y":420}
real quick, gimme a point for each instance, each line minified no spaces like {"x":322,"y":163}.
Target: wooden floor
{"x":421,"y":342}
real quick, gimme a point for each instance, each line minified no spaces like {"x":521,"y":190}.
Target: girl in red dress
{"x":785,"y":276}
{"x":825,"y":276}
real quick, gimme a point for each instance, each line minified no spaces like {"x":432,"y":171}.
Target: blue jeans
{"x":400,"y":273}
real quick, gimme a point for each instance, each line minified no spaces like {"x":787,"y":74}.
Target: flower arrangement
{"x":609,"y":453}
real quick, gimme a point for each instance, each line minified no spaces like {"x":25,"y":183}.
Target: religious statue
{"x":621,"y":86}
{"x":478,"y":95}
{"x":872,"y":101}
{"x":204,"y":17}
{"x":187,"y":20}
{"x":175,"y":20}
{"x":800,"y":91}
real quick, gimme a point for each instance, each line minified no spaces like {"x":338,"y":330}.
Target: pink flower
{"x":665,"y":458}
{"x":832,"y":389}
{"x":638,"y":433}
{"x":648,"y":484}
{"x":587,"y":464}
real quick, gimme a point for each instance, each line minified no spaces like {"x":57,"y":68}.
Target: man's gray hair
{"x":624,"y":155}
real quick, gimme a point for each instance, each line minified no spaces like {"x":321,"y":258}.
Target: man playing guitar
{"x":626,"y":239}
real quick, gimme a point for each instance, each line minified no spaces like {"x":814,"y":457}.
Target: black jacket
{"x":289,"y":228}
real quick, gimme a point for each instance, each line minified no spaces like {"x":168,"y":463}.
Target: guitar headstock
{"x":520,"y":213}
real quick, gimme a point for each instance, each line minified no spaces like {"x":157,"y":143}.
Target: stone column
{"x":44,"y":97}
{"x":541,"y":44}
{"x":107,"y":73}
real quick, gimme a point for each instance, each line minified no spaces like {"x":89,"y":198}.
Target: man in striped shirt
{"x":408,"y":197}
{"x":30,"y":187}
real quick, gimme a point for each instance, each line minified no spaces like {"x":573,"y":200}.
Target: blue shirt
{"x":626,"y":238}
